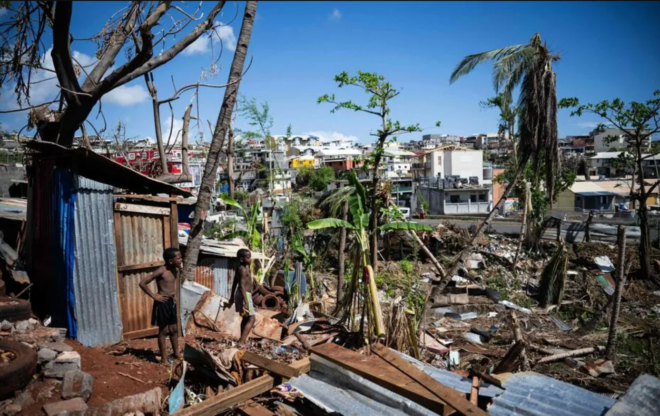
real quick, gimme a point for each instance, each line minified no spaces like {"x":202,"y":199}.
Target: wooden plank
{"x":270,"y":365}
{"x":167,"y":235}
{"x":302,"y":366}
{"x":378,"y":371}
{"x":252,"y":408}
{"x":447,"y":394}
{"x":149,"y":197}
{"x":141,"y":333}
{"x":174,"y":225}
{"x":120,"y":247}
{"x":141,"y":266}
{"x":226,"y":400}
{"x":141,"y":209}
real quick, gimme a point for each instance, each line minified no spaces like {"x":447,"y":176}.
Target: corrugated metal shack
{"x":90,"y":238}
{"x":217,"y":264}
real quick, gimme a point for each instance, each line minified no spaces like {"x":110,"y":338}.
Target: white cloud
{"x":588,"y":124}
{"x":3,"y":11}
{"x":326,"y":136}
{"x":221,"y":33}
{"x":176,"y":130}
{"x":335,"y":15}
{"x":125,"y":96}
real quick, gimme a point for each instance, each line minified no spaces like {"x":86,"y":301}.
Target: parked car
{"x":406,"y":212}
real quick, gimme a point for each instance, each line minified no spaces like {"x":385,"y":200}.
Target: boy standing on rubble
{"x":241,"y":293}
{"x":164,"y":311}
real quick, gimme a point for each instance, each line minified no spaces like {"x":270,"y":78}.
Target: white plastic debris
{"x":604,"y":264}
{"x":512,"y":305}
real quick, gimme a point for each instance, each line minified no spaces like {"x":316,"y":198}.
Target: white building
{"x":397,"y":161}
{"x":602,"y":144}
{"x":450,"y":161}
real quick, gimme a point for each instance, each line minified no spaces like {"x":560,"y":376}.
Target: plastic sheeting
{"x":95,"y":279}
{"x":63,"y":250}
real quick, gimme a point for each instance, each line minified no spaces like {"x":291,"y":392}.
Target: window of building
{"x":482,"y":197}
{"x":454,"y":199}
{"x":603,"y":200}
{"x":131,"y":156}
{"x":473,"y":198}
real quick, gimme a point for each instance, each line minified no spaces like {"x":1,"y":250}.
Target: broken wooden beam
{"x":519,"y":337}
{"x":453,"y":398}
{"x":574,"y":353}
{"x":510,"y":361}
{"x":252,"y":408}
{"x":230,"y":398}
{"x":271,"y":366}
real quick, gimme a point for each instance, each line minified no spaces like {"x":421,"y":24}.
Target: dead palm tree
{"x":528,"y":66}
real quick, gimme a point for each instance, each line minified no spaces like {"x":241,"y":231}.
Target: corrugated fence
{"x":95,"y":279}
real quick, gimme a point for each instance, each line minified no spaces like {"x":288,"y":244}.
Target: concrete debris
{"x":71,"y":407}
{"x":24,"y":399}
{"x":23,"y":326}
{"x":56,"y":346}
{"x":6,"y":326}
{"x":10,"y":409}
{"x":45,"y":355}
{"x":65,"y":362}
{"x":77,"y":384}
{"x":148,"y":402}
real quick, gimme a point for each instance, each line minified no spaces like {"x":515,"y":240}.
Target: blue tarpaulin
{"x":63,"y":250}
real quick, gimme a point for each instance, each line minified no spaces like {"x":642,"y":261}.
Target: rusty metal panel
{"x":141,"y":237}
{"x":94,"y":276}
{"x":223,"y":277}
{"x":136,"y":306}
{"x":141,"y":240}
{"x":204,"y":272}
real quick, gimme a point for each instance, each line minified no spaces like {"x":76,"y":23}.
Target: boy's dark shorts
{"x":164,"y":313}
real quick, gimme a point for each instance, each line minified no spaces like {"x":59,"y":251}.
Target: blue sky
{"x":608,"y":49}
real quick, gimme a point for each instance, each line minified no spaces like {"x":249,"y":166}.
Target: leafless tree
{"x":131,"y":29}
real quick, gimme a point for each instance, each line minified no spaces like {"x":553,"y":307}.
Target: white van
{"x":405,"y":211}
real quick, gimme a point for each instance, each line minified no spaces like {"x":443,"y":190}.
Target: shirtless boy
{"x":241,"y":293}
{"x":164,"y":311}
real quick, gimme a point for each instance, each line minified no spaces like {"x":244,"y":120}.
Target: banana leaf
{"x":229,"y":201}
{"x":329,"y":223}
{"x":407,"y":226}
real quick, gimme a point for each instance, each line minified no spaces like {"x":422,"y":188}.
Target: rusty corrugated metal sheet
{"x":142,"y":241}
{"x":141,"y":238}
{"x":136,"y":306}
{"x":94,"y":273}
{"x":204,"y":272}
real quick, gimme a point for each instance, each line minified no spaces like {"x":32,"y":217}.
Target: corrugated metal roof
{"x":641,"y":399}
{"x":586,"y":186}
{"x":94,"y":273}
{"x":534,"y":394}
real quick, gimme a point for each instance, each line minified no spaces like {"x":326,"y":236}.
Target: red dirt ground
{"x":137,"y":359}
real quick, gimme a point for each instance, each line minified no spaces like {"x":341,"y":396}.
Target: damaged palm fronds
{"x":553,"y":277}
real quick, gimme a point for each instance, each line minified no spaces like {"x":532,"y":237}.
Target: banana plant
{"x":359,"y":224}
{"x":251,"y":235}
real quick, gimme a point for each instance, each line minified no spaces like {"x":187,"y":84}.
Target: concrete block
{"x":77,"y":384}
{"x":65,"y":362}
{"x":56,"y":346}
{"x":45,"y":355}
{"x":71,"y":407}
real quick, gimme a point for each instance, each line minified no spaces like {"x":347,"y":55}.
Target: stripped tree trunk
{"x":185,"y":175}
{"x":437,"y":290}
{"x":611,"y":337}
{"x":230,"y":163}
{"x":221,"y":129}
{"x":149,"y":79}
{"x":523,"y":226}
{"x":342,"y":261}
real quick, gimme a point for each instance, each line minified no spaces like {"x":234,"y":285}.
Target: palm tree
{"x":528,"y":66}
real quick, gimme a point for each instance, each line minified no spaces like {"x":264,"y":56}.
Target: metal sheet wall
{"x":95,"y":279}
{"x":141,"y":239}
{"x":216,"y":273}
{"x":204,"y":272}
